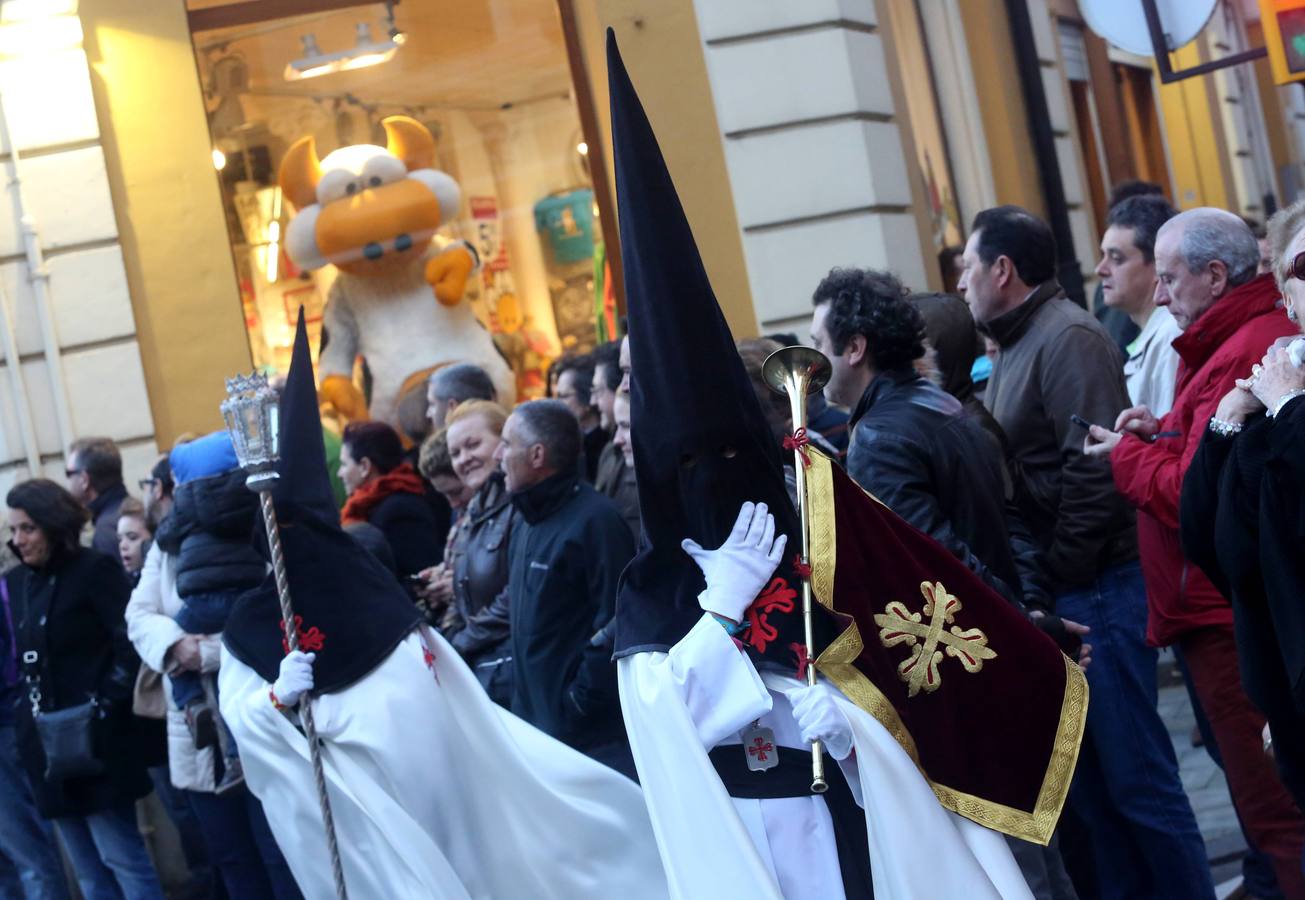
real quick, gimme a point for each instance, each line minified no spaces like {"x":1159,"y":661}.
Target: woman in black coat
{"x":476,"y":570}
{"x":387,"y":492}
{"x":67,"y":603}
{"x":1242,"y":513}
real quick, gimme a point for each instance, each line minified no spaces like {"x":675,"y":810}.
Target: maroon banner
{"x":982,"y":700}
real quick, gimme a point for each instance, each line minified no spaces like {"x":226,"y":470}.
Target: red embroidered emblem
{"x":777,"y":597}
{"x":428,"y":655}
{"x":760,"y":749}
{"x":798,"y":441}
{"x":310,"y":641}
{"x":803,"y":569}
{"x":800,"y":651}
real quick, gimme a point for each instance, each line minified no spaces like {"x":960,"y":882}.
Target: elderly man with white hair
{"x":1206,"y":261}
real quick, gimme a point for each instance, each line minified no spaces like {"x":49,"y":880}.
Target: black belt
{"x":792,"y":778}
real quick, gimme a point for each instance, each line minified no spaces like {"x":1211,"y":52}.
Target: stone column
{"x":46,"y":89}
{"x":813,"y":145}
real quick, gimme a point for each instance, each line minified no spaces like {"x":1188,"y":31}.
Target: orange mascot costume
{"x":373,"y":213}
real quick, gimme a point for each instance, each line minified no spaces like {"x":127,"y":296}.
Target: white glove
{"x":296,"y":678}
{"x":820,"y":719}
{"x":737,"y":571}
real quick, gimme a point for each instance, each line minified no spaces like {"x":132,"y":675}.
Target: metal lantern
{"x":251,"y":412}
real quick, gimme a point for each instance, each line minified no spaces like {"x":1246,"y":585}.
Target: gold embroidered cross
{"x":898,"y":625}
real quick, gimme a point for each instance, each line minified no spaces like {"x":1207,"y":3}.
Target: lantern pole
{"x":251,"y":414}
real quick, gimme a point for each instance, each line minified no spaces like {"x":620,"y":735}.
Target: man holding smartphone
{"x":1056,"y":361}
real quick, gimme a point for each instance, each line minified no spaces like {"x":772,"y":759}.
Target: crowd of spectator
{"x":1129,"y":481}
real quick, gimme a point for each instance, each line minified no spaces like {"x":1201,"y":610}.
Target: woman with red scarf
{"x":386,"y":492}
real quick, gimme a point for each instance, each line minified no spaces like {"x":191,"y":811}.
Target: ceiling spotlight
{"x":366,"y":52}
{"x":393,"y":31}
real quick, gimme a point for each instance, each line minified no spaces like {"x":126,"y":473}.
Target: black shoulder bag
{"x":67,"y":735}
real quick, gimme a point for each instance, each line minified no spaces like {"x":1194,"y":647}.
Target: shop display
{"x":397,"y":299}
{"x":485,"y":97}
{"x":565,"y":222}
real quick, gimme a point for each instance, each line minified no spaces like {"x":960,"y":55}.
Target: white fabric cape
{"x":439,"y":793}
{"x":680,"y":704}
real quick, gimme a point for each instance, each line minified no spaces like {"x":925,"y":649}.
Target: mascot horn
{"x":373,"y":213}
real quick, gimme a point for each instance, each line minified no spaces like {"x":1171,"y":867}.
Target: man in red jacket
{"x":1206,"y":261}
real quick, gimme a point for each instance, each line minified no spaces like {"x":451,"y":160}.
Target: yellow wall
{"x":1001,"y":105}
{"x":165,"y":191}
{"x":664,"y":55}
{"x":1275,"y":121}
{"x":1195,"y":137}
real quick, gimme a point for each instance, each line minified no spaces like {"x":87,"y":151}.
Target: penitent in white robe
{"x":439,"y":793}
{"x":704,"y":693}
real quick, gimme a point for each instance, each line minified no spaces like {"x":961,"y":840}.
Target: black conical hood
{"x":702,"y":445}
{"x":303,"y":486}
{"x":353,"y":611}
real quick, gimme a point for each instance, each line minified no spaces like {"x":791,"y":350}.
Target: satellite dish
{"x":1122,"y":22}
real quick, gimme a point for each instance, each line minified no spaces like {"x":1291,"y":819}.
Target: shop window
{"x":486,"y":94}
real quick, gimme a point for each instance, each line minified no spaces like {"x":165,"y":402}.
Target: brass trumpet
{"x":798,"y":371}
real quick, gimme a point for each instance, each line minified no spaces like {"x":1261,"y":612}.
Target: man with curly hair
{"x":912,"y":445}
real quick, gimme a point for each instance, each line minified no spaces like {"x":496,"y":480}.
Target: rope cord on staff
{"x":305,"y":705}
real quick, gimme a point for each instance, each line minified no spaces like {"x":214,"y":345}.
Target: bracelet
{"x":1223,"y":428}
{"x":280,"y":707}
{"x":1284,"y":400}
{"x":731,"y":627}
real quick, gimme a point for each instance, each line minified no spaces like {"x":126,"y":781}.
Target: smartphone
{"x":1078,"y":420}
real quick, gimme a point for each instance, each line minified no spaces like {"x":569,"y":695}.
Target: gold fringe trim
{"x":836,"y":664}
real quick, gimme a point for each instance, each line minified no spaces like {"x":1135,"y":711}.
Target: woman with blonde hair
{"x":477,"y":560}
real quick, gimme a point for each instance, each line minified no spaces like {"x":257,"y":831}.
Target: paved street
{"x":1204,"y":783}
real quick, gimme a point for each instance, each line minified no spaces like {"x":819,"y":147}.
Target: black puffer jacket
{"x":914,"y":447}
{"x":210,"y":531}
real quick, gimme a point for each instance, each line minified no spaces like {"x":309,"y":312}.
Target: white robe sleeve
{"x":717,"y":683}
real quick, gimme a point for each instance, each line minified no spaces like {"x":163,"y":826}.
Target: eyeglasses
{"x":1296,"y":269}
{"x":146,"y":484}
{"x":69,"y":473}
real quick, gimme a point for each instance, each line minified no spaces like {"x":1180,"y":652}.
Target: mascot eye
{"x":728,"y":452}
{"x":351,"y":188}
{"x":688,"y":460}
{"x":374,"y":181}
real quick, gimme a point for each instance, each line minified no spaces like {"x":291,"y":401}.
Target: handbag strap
{"x":34,"y":658}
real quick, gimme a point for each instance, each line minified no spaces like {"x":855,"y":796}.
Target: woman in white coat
{"x":236,"y":834}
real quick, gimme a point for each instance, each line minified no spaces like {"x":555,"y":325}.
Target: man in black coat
{"x":913,"y":446}
{"x":95,"y":479}
{"x":565,"y":559}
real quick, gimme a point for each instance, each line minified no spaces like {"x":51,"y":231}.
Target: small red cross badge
{"x":761,"y":749}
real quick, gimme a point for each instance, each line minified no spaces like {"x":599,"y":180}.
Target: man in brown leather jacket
{"x":1056,"y":361}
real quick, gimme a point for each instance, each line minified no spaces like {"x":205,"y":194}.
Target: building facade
{"x":140,"y":254}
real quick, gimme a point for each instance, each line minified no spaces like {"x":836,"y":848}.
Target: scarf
{"x":402,"y":479}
